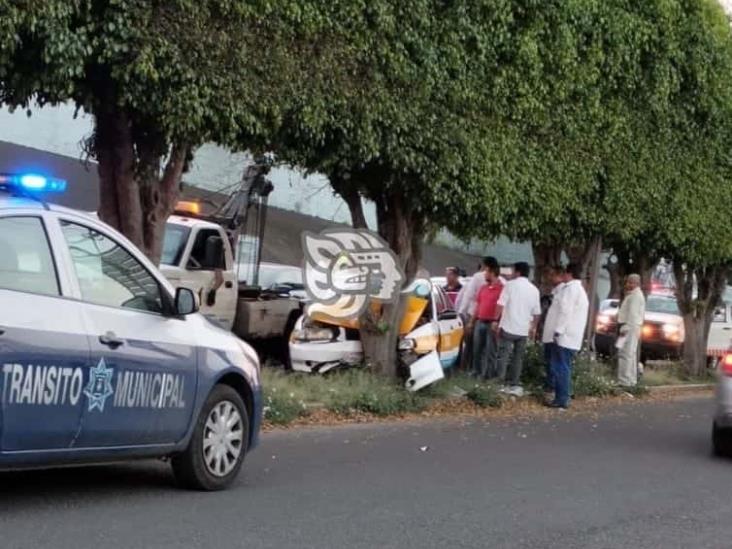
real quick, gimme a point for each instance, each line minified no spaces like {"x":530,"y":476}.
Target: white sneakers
{"x":514,"y":390}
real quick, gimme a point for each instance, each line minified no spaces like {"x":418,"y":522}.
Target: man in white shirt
{"x":550,"y":321}
{"x":630,"y":322}
{"x":519,"y":310}
{"x":569,"y":332}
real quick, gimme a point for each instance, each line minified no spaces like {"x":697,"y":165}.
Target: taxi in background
{"x":102,"y":359}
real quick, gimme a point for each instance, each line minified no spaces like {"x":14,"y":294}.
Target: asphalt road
{"x":640,"y":476}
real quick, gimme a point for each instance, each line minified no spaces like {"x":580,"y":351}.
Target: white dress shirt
{"x":466,"y":299}
{"x":571,"y":322}
{"x":550,"y":322}
{"x":633,"y":309}
{"x":521,"y":303}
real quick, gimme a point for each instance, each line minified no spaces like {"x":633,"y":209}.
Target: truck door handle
{"x":111,"y":340}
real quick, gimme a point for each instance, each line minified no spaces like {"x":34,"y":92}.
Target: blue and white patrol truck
{"x":102,"y":359}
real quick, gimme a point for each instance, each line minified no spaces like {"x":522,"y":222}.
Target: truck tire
{"x":219,"y":443}
{"x":289,"y":327}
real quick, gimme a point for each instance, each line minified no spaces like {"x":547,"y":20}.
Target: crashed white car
{"x":430,"y":338}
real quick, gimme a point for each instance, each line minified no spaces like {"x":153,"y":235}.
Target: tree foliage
{"x":551,"y":120}
{"x":160,"y":79}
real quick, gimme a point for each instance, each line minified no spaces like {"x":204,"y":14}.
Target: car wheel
{"x":218,"y":445}
{"x":721,"y":441}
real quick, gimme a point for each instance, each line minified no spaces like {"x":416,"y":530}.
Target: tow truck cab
{"x":197,"y":254}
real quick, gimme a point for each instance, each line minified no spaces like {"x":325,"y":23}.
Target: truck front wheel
{"x":219,"y":443}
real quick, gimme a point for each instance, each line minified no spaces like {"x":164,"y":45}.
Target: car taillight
{"x":726,"y":364}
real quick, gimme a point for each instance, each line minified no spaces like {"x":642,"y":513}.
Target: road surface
{"x":639,"y":476}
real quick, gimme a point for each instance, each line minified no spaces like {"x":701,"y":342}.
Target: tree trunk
{"x":708,"y":283}
{"x":581,"y":254}
{"x":403,"y":230}
{"x":644,"y":267}
{"x":119,"y":197}
{"x":352,"y":198}
{"x":159,"y":196}
{"x":134,"y":198}
{"x":617,"y":272}
{"x":546,"y":256}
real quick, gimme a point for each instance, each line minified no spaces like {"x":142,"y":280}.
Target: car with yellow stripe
{"x":430,"y":338}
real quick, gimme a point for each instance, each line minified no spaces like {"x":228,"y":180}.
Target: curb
{"x":681,"y":388}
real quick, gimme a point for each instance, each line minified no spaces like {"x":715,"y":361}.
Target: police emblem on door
{"x":99,"y":388}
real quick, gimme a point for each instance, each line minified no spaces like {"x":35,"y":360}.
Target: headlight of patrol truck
{"x":672,"y":331}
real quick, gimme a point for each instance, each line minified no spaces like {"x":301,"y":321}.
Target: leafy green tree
{"x":160,"y":78}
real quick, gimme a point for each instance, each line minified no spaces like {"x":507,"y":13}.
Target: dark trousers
{"x":484,"y":349}
{"x":562,"y":370}
{"x":466,"y":350}
{"x":511,"y":347}
{"x":549,"y":384}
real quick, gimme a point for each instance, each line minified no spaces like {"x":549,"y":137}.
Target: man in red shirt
{"x":485,"y":346}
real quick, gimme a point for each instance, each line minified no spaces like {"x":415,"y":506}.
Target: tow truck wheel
{"x":218,"y":445}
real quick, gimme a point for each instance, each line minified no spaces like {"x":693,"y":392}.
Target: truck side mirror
{"x":214,"y":253}
{"x":186,"y":302}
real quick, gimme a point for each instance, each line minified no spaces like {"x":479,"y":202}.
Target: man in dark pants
{"x":519,"y":310}
{"x":569,"y":331}
{"x":550,"y":321}
{"x":465,"y":305}
{"x":484,"y":340}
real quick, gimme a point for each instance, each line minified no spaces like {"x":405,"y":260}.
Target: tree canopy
{"x":550,"y":120}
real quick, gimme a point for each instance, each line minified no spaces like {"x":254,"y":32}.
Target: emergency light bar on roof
{"x":29,"y":183}
{"x":186,"y":207}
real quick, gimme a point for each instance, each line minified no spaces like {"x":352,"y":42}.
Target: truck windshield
{"x":174,"y":243}
{"x":280,"y":275}
{"x":662,"y":305}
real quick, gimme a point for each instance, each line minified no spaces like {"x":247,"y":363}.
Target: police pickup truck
{"x":102,"y":359}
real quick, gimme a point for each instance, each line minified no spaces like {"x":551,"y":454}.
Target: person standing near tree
{"x":569,"y":331}
{"x":556,"y":277}
{"x":484,"y":339}
{"x":519,"y":310}
{"x":465,"y":305}
{"x":453,"y":286}
{"x":630,"y":322}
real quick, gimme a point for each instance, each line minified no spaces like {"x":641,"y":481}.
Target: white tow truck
{"x":218,"y":257}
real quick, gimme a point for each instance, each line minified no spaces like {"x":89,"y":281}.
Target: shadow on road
{"x":74,"y":485}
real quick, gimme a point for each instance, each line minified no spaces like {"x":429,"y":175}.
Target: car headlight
{"x":407,"y":344}
{"x":315,"y":333}
{"x":671,"y":331}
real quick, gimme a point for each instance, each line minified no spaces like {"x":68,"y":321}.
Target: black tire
{"x":189,"y":467}
{"x":289,"y":327}
{"x":721,"y":441}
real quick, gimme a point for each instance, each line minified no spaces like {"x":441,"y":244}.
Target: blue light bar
{"x":32,"y":182}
